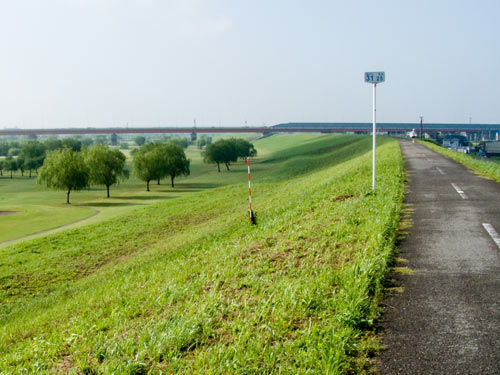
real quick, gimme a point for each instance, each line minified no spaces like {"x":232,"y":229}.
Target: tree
{"x":176,"y":163}
{"x":101,"y":139}
{"x":244,"y":149}
{"x":64,"y":169}
{"x":183,"y":142}
{"x":10,"y":165}
{"x":34,"y":155}
{"x":148,"y":165}
{"x":222,"y":151}
{"x":73,"y":143}
{"x":139,"y":140}
{"x":106,"y":166}
{"x":52,"y":144}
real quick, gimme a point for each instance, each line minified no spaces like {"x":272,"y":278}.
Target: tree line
{"x":70,"y":170}
{"x":68,"y":165}
{"x":227,"y":151}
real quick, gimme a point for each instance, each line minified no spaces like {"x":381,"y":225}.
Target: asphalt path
{"x":446,"y":320}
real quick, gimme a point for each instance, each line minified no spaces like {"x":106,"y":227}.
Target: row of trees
{"x":227,"y":151}
{"x":155,"y":160}
{"x":70,"y":170}
{"x":67,"y":169}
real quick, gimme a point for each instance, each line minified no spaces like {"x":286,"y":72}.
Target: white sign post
{"x":374,"y":78}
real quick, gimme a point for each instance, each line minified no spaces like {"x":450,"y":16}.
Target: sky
{"x":96,"y":63}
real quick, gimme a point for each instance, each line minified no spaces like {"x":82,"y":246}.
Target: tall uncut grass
{"x":188,"y":286}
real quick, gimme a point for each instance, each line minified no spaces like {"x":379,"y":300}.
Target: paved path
{"x":96,"y":212}
{"x":447,"y":319}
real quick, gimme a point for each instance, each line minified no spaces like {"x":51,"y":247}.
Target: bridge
{"x":383,"y":128}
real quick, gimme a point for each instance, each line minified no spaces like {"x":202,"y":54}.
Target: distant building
{"x":454,"y":141}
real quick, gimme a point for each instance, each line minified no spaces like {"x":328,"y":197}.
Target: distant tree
{"x":72,"y":143}
{"x":175,"y":161}
{"x":124,"y":146}
{"x":106,"y":166}
{"x":147,"y":164}
{"x":2,"y":166}
{"x":244,"y":149}
{"x":87,"y":141}
{"x":222,"y":151}
{"x":140,"y":140}
{"x":52,"y":144}
{"x":14,"y":151}
{"x":101,"y":140}
{"x":4,"y":148}
{"x":64,"y":169}
{"x":114,"y":139}
{"x":21,"y":163}
{"x":10,"y":165}
{"x":203,"y":141}
{"x":34,"y":155}
{"x":183,"y":142}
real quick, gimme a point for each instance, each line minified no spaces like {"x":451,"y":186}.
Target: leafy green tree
{"x":183,"y":142}
{"x":21,"y":164}
{"x":244,"y":149}
{"x":124,"y":146}
{"x":34,"y":155}
{"x":175,"y":161}
{"x":221,"y":151}
{"x":13,"y":152}
{"x":10,"y":165}
{"x":140,"y":140}
{"x":73,"y":143}
{"x":64,"y":169}
{"x":53,"y":144}
{"x":147,"y":164}
{"x":106,"y":166}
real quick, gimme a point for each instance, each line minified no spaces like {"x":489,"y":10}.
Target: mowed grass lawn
{"x":37,"y":209}
{"x":188,"y":286}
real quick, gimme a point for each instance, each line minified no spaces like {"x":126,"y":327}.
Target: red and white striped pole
{"x":250,"y":211}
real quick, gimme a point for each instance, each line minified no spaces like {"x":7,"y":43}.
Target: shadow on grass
{"x":107,"y":204}
{"x":142,"y":197}
{"x":196,"y":185}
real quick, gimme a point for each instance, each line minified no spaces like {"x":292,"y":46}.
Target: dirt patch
{"x":5,"y":213}
{"x":342,"y":197}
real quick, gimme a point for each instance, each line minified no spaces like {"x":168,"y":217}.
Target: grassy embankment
{"x":188,"y":286}
{"x":38,"y":209}
{"x":483,"y":167}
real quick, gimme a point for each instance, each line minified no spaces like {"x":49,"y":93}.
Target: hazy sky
{"x":223,"y":62}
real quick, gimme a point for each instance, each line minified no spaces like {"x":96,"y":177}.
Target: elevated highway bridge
{"x":385,"y":128}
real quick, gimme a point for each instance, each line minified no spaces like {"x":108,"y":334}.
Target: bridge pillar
{"x":194,"y":136}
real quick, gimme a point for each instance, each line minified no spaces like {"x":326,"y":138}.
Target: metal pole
{"x":374,"y":168}
{"x":421,"y":127}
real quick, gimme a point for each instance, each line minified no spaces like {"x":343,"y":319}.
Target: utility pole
{"x":421,"y":127}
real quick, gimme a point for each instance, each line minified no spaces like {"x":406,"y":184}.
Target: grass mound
{"x":189,"y":286}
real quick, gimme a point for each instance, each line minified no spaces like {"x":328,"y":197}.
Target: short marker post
{"x":250,"y":211}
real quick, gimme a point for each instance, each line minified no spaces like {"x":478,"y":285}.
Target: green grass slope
{"x":484,"y":167}
{"x":189,"y":286}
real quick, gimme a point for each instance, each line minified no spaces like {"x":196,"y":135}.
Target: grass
{"x":483,"y":167}
{"x":188,"y":286}
{"x":38,"y":209}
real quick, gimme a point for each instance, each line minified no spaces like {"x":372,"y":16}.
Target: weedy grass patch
{"x":483,"y":167}
{"x":189,"y":286}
